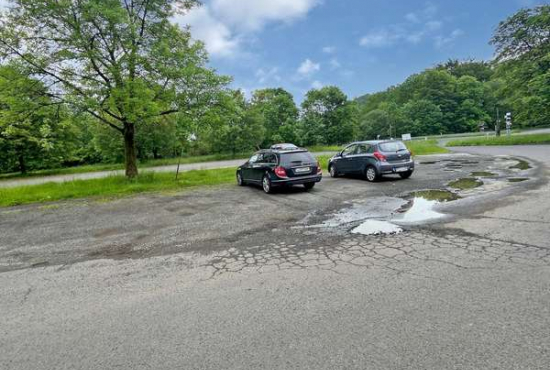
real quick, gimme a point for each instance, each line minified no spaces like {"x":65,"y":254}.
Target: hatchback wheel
{"x":371,"y":174}
{"x":406,"y":175}
{"x":266,"y":184}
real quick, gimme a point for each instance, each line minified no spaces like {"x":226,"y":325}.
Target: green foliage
{"x":523,"y":49}
{"x":279,"y":113}
{"x":34,"y":131}
{"x":328,"y":117}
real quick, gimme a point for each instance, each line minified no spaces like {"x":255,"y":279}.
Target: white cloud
{"x":329,"y":49}
{"x":420,"y":25}
{"x":317,"y":85}
{"x":412,"y":17}
{"x":224,"y":25}
{"x":218,"y":38}
{"x":269,"y":75}
{"x":252,"y":15}
{"x":334,"y":63}
{"x":441,"y":41}
{"x":308,"y":68}
{"x":379,"y":38}
{"x":433,"y":25}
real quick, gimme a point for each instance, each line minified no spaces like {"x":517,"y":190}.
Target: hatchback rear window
{"x":395,"y":146}
{"x":290,"y":159}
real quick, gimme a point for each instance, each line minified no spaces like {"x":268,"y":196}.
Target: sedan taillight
{"x":280,"y":172}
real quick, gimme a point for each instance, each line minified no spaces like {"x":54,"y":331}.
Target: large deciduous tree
{"x":122,"y":61}
{"x":328,"y":117}
{"x":280,"y":114}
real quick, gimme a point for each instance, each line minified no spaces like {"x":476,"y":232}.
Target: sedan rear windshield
{"x":293,"y":159}
{"x":395,"y":146}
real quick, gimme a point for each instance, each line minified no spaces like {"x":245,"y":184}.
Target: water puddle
{"x":521,"y":165}
{"x":466,"y":184}
{"x":376,"y":227}
{"x":421,"y":210}
{"x":517,"y":179}
{"x":437,"y":195}
{"x":483,"y":174}
{"x":371,"y":209}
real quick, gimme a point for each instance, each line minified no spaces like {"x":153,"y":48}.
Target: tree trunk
{"x":130,"y":152}
{"x":22,"y":164}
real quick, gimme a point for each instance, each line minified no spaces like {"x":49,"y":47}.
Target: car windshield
{"x":290,"y":159}
{"x":395,"y":146}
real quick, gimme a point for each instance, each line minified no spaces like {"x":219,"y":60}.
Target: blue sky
{"x":361,"y":46}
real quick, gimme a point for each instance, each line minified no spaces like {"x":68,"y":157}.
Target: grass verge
{"x":118,"y":186}
{"x":425,"y":147}
{"x":534,"y":139}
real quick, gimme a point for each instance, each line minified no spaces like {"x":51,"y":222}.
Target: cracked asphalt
{"x":231,"y":278}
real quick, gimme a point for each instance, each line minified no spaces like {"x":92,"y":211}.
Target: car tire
{"x":371,"y":174}
{"x":240,"y":180}
{"x":333,"y":172}
{"x":266,"y":185}
{"x":406,"y":175}
{"x":309,"y":185}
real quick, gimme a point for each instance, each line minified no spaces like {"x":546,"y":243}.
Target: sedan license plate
{"x":402,"y":169}
{"x":302,"y":170}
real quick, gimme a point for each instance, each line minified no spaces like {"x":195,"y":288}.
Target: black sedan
{"x":281,"y":166}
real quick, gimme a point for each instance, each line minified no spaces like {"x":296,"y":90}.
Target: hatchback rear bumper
{"x":389,"y":168}
{"x":296,"y":180}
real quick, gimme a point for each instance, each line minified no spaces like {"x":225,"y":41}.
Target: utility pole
{"x":497,"y":126}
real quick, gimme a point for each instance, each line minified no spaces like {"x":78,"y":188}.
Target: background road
{"x":232,"y":278}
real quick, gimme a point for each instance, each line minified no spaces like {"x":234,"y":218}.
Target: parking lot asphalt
{"x":232,"y":278}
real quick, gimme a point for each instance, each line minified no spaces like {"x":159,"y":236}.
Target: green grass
{"x":503,"y":140}
{"x":119,"y":186}
{"x":325,"y":148}
{"x":425,"y":147}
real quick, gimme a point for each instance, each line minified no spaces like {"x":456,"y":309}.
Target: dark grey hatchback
{"x":373,"y":159}
{"x":281,"y":166}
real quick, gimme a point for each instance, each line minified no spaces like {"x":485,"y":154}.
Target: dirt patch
{"x":466,"y":183}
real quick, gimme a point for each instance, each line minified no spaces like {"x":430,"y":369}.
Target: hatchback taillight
{"x":280,"y":172}
{"x":381,"y":157}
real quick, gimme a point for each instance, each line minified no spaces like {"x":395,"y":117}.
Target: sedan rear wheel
{"x":371,"y":174}
{"x":309,"y":185}
{"x":240,"y":180}
{"x":266,"y":185}
{"x":332,"y":171}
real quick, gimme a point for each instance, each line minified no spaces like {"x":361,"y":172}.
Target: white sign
{"x":406,"y":137}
